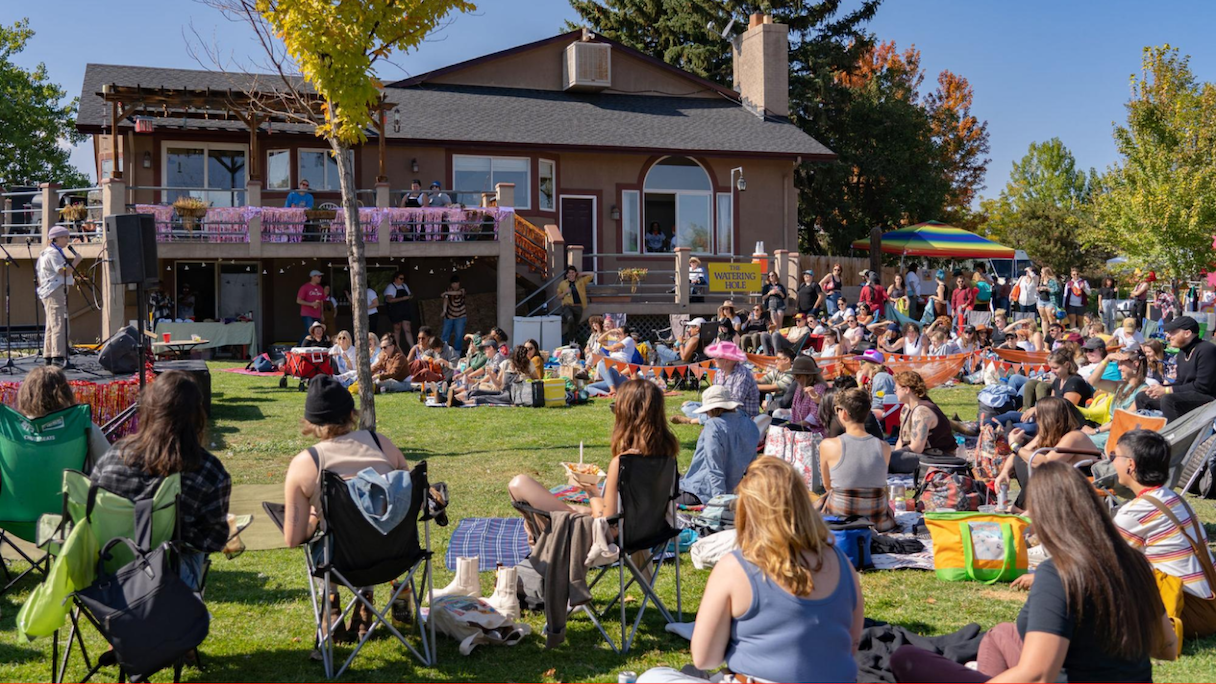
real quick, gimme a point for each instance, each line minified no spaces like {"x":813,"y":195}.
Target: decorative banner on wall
{"x":734,"y":278}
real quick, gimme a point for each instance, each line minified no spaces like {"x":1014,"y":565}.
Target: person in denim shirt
{"x":726,"y":447}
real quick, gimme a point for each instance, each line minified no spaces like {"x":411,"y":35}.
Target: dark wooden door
{"x":578,"y":226}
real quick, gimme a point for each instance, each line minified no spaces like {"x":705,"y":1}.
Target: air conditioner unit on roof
{"x":587,"y":66}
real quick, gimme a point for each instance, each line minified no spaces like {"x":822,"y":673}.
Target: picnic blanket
{"x":494,"y":541}
{"x":246,"y":371}
{"x":879,"y":640}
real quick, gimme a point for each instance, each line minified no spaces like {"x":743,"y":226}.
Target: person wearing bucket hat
{"x":875,"y":378}
{"x":806,"y":393}
{"x":1195,"y":383}
{"x":733,"y":374}
{"x":54,"y":278}
{"x":725,"y":447}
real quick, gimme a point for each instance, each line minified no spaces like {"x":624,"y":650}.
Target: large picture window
{"x":210,"y":171}
{"x":320,"y":169}
{"x":546,"y":185}
{"x":278,"y":170}
{"x":678,"y":207}
{"x":472,"y":176}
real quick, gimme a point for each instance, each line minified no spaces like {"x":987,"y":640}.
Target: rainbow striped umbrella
{"x":935,"y":239}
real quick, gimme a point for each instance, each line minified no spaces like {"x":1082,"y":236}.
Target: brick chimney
{"x":762,"y":66}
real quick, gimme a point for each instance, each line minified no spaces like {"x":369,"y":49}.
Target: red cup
{"x":166,"y":336}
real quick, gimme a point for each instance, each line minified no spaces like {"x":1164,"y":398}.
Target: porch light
{"x":615,"y":213}
{"x":147,"y":159}
{"x":396,"y":121}
{"x":414,"y":165}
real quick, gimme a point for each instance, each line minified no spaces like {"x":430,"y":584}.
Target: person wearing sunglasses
{"x":832,"y":287}
{"x":391,"y":370}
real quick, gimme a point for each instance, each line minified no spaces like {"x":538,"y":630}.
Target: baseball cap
{"x":695,"y":323}
{"x":314,"y":273}
{"x":808,"y":272}
{"x":1182,"y":323}
{"x":1094,"y":344}
{"x":435,"y":184}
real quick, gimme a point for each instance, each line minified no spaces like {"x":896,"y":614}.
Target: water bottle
{"x":1002,"y":497}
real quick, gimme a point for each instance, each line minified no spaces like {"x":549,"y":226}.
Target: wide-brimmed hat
{"x":805,"y":365}
{"x":728,"y":304}
{"x":316,"y":324}
{"x":872,"y":356}
{"x":725,"y":350}
{"x":716,"y":397}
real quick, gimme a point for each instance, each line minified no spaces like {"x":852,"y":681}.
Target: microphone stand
{"x":9,"y":263}
{"x":39,"y":332}
{"x":67,"y":310}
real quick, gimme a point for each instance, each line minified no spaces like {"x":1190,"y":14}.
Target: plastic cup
{"x":166,"y":337}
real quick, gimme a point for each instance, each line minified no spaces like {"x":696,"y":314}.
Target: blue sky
{"x":1039,"y":69}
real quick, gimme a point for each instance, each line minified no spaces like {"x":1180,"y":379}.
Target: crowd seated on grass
{"x":805,"y":394}
{"x":1066,"y":385}
{"x":1121,"y":394}
{"x":827,"y":410}
{"x":391,"y":371}
{"x":787,"y":605}
{"x":45,"y":390}
{"x":343,"y":353}
{"x":754,"y":328}
{"x":1195,"y":384}
{"x":495,"y":388}
{"x":734,"y":375}
{"x":777,"y":380}
{"x":169,"y":441}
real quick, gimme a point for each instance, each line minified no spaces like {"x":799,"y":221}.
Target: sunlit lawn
{"x":261,"y":627}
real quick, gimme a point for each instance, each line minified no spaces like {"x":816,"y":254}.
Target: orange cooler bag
{"x":981,"y":547}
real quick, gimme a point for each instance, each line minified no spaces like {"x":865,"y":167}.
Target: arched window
{"x":678,"y":207}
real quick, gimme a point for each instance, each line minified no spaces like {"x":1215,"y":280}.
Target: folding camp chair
{"x":1125,"y":421}
{"x":1085,"y":465}
{"x":1185,"y":436}
{"x":647,"y":488}
{"x":352,"y":552}
{"x":110,"y":516}
{"x":33,"y":457}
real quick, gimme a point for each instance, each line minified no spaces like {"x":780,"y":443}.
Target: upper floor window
{"x":472,"y":176}
{"x":678,"y":207}
{"x":320,"y":169}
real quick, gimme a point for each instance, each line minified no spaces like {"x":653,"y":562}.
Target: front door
{"x":578,"y":226}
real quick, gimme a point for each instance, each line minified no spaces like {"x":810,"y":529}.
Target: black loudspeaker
{"x":132,"y":248}
{"x":120,"y":355}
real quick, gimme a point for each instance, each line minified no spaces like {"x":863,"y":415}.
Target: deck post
{"x":683,"y":289}
{"x":505,"y":193}
{"x":253,"y":198}
{"x":50,"y":208}
{"x":113,"y":294}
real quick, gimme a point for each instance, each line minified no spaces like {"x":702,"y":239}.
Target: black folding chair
{"x":354,"y":553}
{"x":647,"y":488}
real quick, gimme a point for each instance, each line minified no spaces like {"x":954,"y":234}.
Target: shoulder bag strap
{"x":1200,"y":550}
{"x":376,"y":439}
{"x":143,"y":524}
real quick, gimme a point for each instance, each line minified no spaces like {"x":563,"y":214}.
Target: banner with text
{"x":735,"y":278}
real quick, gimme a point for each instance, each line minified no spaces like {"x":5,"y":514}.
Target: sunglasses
{"x":386,"y":346}
{"x":529,"y":348}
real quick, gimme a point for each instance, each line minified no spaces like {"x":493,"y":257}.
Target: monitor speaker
{"x":132,"y":248}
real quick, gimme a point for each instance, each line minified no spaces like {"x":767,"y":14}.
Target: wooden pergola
{"x":251,"y":109}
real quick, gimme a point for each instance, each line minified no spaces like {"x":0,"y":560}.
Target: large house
{"x":593,"y":145}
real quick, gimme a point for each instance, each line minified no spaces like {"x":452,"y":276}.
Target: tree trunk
{"x":357,"y":263}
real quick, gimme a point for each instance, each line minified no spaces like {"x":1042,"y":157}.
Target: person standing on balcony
{"x":455,"y":315}
{"x":697,"y":280}
{"x":437,"y":197}
{"x":656,"y":241}
{"x":311,"y":298}
{"x":573,"y":291}
{"x":300,"y":199}
{"x":54,"y":277}
{"x":398,"y":298}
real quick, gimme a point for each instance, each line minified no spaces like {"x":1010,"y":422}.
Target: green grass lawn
{"x":261,"y":628}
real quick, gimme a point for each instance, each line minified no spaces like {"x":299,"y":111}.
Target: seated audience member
{"x":1093,"y":614}
{"x":786,"y":606}
{"x":725,"y":447}
{"x":689,"y":346}
{"x":621,"y":347}
{"x":890,"y":340}
{"x":734,"y":375}
{"x":805,"y":394}
{"x":827,"y":410}
{"x":343,"y":353}
{"x":852,"y":336}
{"x":424,"y":337}
{"x":941,"y":344}
{"x":596,"y":324}
{"x":854,"y":465}
{"x":1172,"y":543}
{"x":874,"y":377}
{"x":316,"y":336}
{"x":373,"y":347}
{"x":1067,"y":385}
{"x":342,"y":449}
{"x":728,"y":322}
{"x":777,"y":379}
{"x":537,"y":359}
{"x":44,"y":391}
{"x":432,"y":364}
{"x":1127,"y":335}
{"x":843,"y":311}
{"x":1195,"y":384}
{"x":1093,"y":354}
{"x":639,"y":428}
{"x":1154,"y":354}
{"x":794,"y":339}
{"x":1058,"y":429}
{"x":496,"y":389}
{"x":169,"y":441}
{"x":391,"y":372}
{"x":752,"y":332}
{"x":1133,"y":370}
{"x":913,"y":341}
{"x":923,"y":429}
{"x":831,"y":345}
{"x":485,"y":356}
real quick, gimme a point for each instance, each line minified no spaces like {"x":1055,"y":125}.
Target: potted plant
{"x":633,"y":276}
{"x":74,"y":212}
{"x":190,"y":210}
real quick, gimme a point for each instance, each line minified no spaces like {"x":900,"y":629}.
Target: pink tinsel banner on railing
{"x":452,"y":224}
{"x":283,"y":224}
{"x":221,"y":224}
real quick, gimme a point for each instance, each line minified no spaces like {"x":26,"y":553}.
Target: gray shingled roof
{"x":482,"y":114}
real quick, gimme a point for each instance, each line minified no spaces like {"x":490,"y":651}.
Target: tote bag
{"x":800,"y":449}
{"x":978,"y":547}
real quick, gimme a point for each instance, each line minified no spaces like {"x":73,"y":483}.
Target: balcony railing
{"x":73,"y":201}
{"x":20,"y":216}
{"x":439,"y":224}
{"x":219,"y":225}
{"x":530,"y":245}
{"x":282,"y":224}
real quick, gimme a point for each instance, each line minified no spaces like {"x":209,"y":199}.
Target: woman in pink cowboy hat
{"x":732,"y":374}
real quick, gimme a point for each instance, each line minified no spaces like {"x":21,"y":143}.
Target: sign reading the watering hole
{"x":741,"y":278}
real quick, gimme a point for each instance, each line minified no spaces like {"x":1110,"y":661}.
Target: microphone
{"x":73,"y":251}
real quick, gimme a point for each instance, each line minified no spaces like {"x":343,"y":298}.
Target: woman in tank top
{"x":854,"y":465}
{"x":923,"y":428}
{"x":786,"y":606}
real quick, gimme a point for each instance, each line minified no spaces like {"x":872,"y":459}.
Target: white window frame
{"x":266,"y":170}
{"x":337,"y":183}
{"x":206,"y":147}
{"x":539,"y":174}
{"x":713,"y":205}
{"x":637,"y":219}
{"x":523,"y":200}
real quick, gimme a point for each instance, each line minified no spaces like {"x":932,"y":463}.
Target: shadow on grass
{"x":555,"y":447}
{"x":242,"y":400}
{"x":244,"y":586}
{"x":13,"y":654}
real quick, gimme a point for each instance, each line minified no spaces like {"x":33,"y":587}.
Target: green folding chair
{"x":34,"y":453}
{"x":110,"y":516}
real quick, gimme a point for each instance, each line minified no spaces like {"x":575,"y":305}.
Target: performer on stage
{"x":54,"y":277}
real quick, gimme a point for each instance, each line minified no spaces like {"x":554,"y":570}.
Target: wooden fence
{"x":851,"y":266}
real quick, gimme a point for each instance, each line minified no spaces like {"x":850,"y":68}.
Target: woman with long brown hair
{"x":44,"y":391}
{"x":786,"y":606}
{"x":1058,"y":429}
{"x":640,"y":428}
{"x":172,"y":421}
{"x":1133,"y":370}
{"x":1154,"y":356}
{"x":1094,"y":613}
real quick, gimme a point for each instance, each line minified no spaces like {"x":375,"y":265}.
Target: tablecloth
{"x":216,"y":334}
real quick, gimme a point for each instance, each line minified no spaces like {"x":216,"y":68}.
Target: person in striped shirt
{"x":1171,"y":542}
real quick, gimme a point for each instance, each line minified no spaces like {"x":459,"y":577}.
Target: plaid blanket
{"x":870,"y":503}
{"x":494,"y":541}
